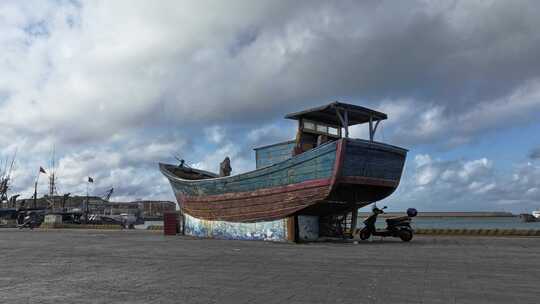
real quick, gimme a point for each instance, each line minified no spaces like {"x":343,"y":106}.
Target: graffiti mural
{"x":264,"y":231}
{"x":308,"y":227}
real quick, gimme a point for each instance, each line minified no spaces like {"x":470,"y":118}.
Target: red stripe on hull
{"x":338,"y":164}
{"x":263,"y":204}
{"x":361,"y":180}
{"x":282,"y":201}
{"x":261,"y":192}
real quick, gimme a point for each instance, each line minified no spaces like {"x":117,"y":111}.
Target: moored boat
{"x":530,"y":217}
{"x":321,"y":174}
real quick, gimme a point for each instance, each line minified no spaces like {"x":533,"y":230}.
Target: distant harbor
{"x":463,"y":220}
{"x":85,"y":209}
{"x":440,"y":214}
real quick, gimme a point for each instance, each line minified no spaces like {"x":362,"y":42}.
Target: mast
{"x":52,"y":187}
{"x":3,"y":184}
{"x":35,"y":191}
{"x":87,"y":209}
{"x":52,"y":180}
{"x":5,"y":178}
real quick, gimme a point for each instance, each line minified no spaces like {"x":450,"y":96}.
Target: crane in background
{"x":108,"y":194}
{"x":5,"y":178}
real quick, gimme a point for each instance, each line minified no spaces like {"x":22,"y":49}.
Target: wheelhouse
{"x":317,"y":126}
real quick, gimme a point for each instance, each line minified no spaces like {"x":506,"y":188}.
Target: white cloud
{"x":131,"y":167}
{"x":426,"y":176}
{"x":185,"y":63}
{"x":422,"y":159}
{"x":453,"y":185}
{"x":211,"y":160}
{"x":214,"y":134}
{"x":116,"y":85}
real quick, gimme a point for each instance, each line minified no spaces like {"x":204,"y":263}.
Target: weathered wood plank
{"x":354,"y":171}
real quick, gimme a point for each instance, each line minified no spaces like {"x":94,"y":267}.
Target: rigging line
{"x":182,"y":161}
{"x":58,"y":173}
{"x":57,"y":187}
{"x":12,"y":162}
{"x":53,"y":160}
{"x":5,"y":167}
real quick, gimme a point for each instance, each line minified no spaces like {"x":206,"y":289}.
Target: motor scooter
{"x":395,"y":227}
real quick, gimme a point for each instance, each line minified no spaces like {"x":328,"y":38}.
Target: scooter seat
{"x":398,"y":219}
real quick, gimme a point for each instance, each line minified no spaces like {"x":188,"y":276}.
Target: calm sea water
{"x":467,"y":223}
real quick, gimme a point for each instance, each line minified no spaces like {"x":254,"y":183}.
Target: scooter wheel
{"x":364,"y":234}
{"x":405,"y":235}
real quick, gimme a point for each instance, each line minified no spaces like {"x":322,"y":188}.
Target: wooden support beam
{"x":371,"y":133}
{"x":344,"y":121}
{"x":354,"y":220}
{"x":375,"y":129}
{"x":291,"y":228}
{"x":346,"y":124}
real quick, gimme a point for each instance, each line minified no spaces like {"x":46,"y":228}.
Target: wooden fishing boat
{"x":319,"y":173}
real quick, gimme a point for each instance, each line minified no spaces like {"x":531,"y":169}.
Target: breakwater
{"x":480,"y":232}
{"x":491,"y":223}
{"x":439,"y":221}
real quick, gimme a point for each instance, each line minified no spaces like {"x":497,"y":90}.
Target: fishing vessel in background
{"x":530,"y":217}
{"x":304,"y":188}
{"x":54,"y":208}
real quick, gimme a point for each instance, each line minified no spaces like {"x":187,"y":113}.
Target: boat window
{"x":309,"y":125}
{"x":333,"y":131}
{"x":322,"y":128}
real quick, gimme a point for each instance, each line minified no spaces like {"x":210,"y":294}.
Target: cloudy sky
{"x":116,"y":86}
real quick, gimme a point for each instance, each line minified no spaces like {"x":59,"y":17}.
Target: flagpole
{"x":88,"y":181}
{"x":86,"y":209}
{"x":35,"y":189}
{"x":35,"y":193}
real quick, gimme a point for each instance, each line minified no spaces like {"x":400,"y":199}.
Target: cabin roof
{"x":327,"y":114}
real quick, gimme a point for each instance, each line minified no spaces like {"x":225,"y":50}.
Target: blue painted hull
{"x":353,"y":172}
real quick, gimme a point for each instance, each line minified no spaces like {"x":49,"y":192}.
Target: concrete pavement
{"x":93,"y":266}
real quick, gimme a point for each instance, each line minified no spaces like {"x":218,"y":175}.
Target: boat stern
{"x":367,"y":171}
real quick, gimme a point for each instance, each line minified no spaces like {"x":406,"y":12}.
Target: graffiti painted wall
{"x":308,"y":227}
{"x":264,"y":231}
